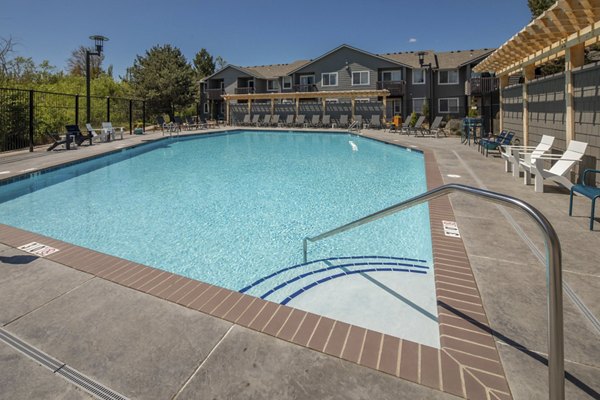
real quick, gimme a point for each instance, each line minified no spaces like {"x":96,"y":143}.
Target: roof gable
{"x":231,"y":66}
{"x":345,"y":46}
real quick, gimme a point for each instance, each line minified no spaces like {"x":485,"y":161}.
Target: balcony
{"x":305,"y":88}
{"x":479,"y":86}
{"x":396,"y":88}
{"x":244,"y":90}
{"x":214,"y":94}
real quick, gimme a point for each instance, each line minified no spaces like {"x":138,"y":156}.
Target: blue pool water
{"x":230,"y":209}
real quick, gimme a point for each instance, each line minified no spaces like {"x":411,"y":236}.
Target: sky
{"x":256,"y":32}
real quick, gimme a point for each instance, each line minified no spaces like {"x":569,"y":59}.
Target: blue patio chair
{"x":590,"y":192}
{"x":490,"y":145}
{"x":494,"y":139}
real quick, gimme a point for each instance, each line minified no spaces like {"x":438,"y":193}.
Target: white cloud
{"x":412,"y":40}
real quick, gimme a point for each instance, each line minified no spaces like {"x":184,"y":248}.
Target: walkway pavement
{"x":144,"y":347}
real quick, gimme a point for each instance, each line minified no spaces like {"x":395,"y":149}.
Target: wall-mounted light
{"x":347,"y":66}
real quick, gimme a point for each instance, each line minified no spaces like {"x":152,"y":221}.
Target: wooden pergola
{"x":565,"y":29}
{"x":297,"y":96}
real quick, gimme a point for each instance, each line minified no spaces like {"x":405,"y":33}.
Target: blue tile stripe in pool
{"x":341,"y":266}
{"x":342,"y":274}
{"x":274,"y":274}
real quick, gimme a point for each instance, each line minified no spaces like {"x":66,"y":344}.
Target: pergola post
{"x":574,"y":57}
{"x":323,"y":106}
{"x":353,"y":99}
{"x":227,"y":112}
{"x":272,"y":107}
{"x":297,"y":108}
{"x":250,"y":107}
{"x":529,"y":73}
{"x":384,"y":109}
{"x":503,"y":83}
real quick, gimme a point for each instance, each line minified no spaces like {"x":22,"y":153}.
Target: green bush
{"x":413,"y":118}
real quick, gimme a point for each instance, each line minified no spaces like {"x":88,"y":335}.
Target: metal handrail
{"x":354,"y":125}
{"x":556,"y":369}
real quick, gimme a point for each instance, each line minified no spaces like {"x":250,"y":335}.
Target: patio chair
{"x":91,"y":131}
{"x":160,"y":121}
{"x":375,"y":122}
{"x":591,"y":192}
{"x":191,"y":124}
{"x":495,"y":145}
{"x":266,"y":120}
{"x":108,"y":128}
{"x":78,"y":137}
{"x":405,"y":128}
{"x":435,"y":129}
{"x":57,"y":141}
{"x":300,"y":120}
{"x":417,"y":126}
{"x":559,"y":171}
{"x":315,"y":121}
{"x":246,"y":120}
{"x":358,"y":119}
{"x":343,"y":121}
{"x":492,"y":139}
{"x":326,"y":123}
{"x":256,"y":120}
{"x":275,"y":120}
{"x":289,"y":120}
{"x":513,"y":154}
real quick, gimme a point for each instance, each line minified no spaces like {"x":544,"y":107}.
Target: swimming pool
{"x":232,"y":210}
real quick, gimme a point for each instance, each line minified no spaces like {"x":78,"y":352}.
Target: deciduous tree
{"x":76,"y":63}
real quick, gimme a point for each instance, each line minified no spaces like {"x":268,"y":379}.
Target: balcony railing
{"x":244,"y":90}
{"x":396,"y":88}
{"x":214,"y":94}
{"x":305,"y":88}
{"x":476,"y":86}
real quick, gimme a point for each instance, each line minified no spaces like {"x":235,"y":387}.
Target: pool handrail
{"x":556,"y":368}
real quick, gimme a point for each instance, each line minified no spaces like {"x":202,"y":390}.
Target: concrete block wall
{"x":513,"y":110}
{"x":547,"y":110}
{"x":586,"y":98}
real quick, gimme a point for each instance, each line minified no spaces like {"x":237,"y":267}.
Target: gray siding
{"x":546,"y":104}
{"x":336,"y":62}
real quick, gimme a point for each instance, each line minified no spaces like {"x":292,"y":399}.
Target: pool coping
{"x":467,"y":364}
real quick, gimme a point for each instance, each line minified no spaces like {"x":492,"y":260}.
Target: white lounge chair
{"x":512,"y":155}
{"x":109,"y":129}
{"x":95,"y":136}
{"x":559,"y":171}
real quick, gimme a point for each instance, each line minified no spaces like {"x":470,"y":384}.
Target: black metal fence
{"x":27,"y":117}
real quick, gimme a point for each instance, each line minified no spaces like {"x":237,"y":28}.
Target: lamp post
{"x":429,"y":66}
{"x":98,"y":44}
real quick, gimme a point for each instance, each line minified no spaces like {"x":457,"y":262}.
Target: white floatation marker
{"x":353,"y":145}
{"x":451,"y":229}
{"x":38,"y":249}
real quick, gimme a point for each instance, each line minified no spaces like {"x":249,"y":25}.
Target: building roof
{"x":447,"y":59}
{"x":276,"y":70}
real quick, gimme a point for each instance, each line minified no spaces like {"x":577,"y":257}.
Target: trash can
{"x":397,"y":120}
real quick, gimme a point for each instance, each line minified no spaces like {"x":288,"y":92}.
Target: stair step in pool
{"x":287,"y":283}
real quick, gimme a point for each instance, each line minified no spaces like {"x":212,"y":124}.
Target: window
{"x":206,"y":108}
{"x":418,"y":77}
{"x":307,"y":79}
{"x":329,"y":79}
{"x":272,"y":85}
{"x":449,"y":77}
{"x":391,"y":76}
{"x":418,"y":104}
{"x":360,"y":78}
{"x":448,"y":106}
{"x":365,"y":100}
{"x":287,"y":82}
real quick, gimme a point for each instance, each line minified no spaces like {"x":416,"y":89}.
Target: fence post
{"x":76,"y":109}
{"x":107,"y":109}
{"x":144,"y":116}
{"x":130,"y":116}
{"x":31,"y":116}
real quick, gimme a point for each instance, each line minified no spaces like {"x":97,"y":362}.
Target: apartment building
{"x":392,"y":83}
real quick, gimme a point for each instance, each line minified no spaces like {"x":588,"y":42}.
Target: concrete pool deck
{"x":145,"y":347}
